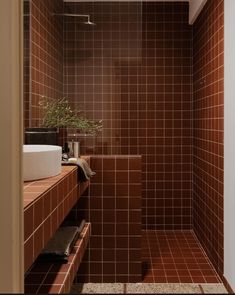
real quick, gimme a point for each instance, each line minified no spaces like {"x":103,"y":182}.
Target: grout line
{"x":124,"y":288}
{"x":201,"y":289}
{"x":44,"y":279}
{"x":150,"y":256}
{"x":49,"y":215}
{"x":206,"y":256}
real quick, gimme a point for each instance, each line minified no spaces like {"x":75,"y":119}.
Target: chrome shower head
{"x":89,"y":22}
{"x":87,"y":16}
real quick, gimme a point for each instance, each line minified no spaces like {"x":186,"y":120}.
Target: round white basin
{"x":41,"y":161}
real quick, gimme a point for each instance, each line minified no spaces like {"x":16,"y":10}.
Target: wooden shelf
{"x":57,"y":278}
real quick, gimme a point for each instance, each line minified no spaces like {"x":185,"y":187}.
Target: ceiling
{"x":195,"y":6}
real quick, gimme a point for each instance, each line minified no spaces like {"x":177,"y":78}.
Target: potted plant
{"x":57,"y":113}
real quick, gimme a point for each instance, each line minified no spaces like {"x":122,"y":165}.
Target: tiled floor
{"x":173,"y":263}
{"x":175,"y":257}
{"x":143,"y":288}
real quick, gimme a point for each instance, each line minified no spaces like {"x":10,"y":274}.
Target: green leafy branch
{"x":58,"y":113}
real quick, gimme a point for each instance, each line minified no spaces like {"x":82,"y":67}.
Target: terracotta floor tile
{"x":173,"y":279}
{"x":169,"y":266}
{"x":183,"y":273}
{"x":171,"y":273}
{"x":175,"y":257}
{"x":148,"y":280}
{"x":181,"y":266}
{"x":205,"y":266}
{"x":198,"y":280}
{"x":195,"y":273}
{"x":159,"y":273}
{"x":213,"y":279}
{"x":186,"y":279}
{"x":160,"y":280}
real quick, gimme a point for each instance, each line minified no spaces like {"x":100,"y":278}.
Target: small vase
{"x":44,"y":136}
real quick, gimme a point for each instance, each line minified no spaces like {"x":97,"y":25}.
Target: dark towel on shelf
{"x":70,"y":222}
{"x":84,"y":170}
{"x":60,"y":246}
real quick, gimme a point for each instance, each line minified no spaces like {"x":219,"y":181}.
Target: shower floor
{"x":175,"y":257}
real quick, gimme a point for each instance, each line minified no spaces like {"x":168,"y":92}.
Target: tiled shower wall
{"x":133,"y":71}
{"x":113,"y":206}
{"x":46,"y":55}
{"x":208,"y":129}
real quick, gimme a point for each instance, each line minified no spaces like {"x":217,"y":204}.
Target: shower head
{"x":87,"y":16}
{"x":89,"y":23}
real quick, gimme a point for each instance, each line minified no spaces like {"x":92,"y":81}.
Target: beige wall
{"x":11,"y":209}
{"x":195,"y":7}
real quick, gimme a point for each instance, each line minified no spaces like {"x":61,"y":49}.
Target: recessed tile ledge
{"x":51,"y":278}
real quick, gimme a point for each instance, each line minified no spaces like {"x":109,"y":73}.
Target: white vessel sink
{"x":41,"y":161}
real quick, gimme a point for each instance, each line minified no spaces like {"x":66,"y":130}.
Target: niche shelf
{"x":57,"y":278}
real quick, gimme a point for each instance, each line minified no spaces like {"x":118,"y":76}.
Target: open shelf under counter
{"x":57,"y":278}
{"x":47,"y":202}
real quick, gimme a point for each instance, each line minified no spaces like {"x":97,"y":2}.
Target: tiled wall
{"x":46,"y":203}
{"x":93,"y":58}
{"x":46,"y":55}
{"x":57,"y":278}
{"x":208,"y":107}
{"x":113,"y":206}
{"x":133,"y":71}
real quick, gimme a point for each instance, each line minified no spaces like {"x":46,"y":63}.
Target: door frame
{"x":11,"y":134}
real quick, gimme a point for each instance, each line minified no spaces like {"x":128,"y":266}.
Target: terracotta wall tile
{"x":44,"y":278}
{"x":133,"y":71}
{"x":28,"y":224}
{"x":41,"y":219}
{"x":208,"y":130}
{"x":45,"y":55}
{"x":142,"y":90}
{"x":116,"y":223}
